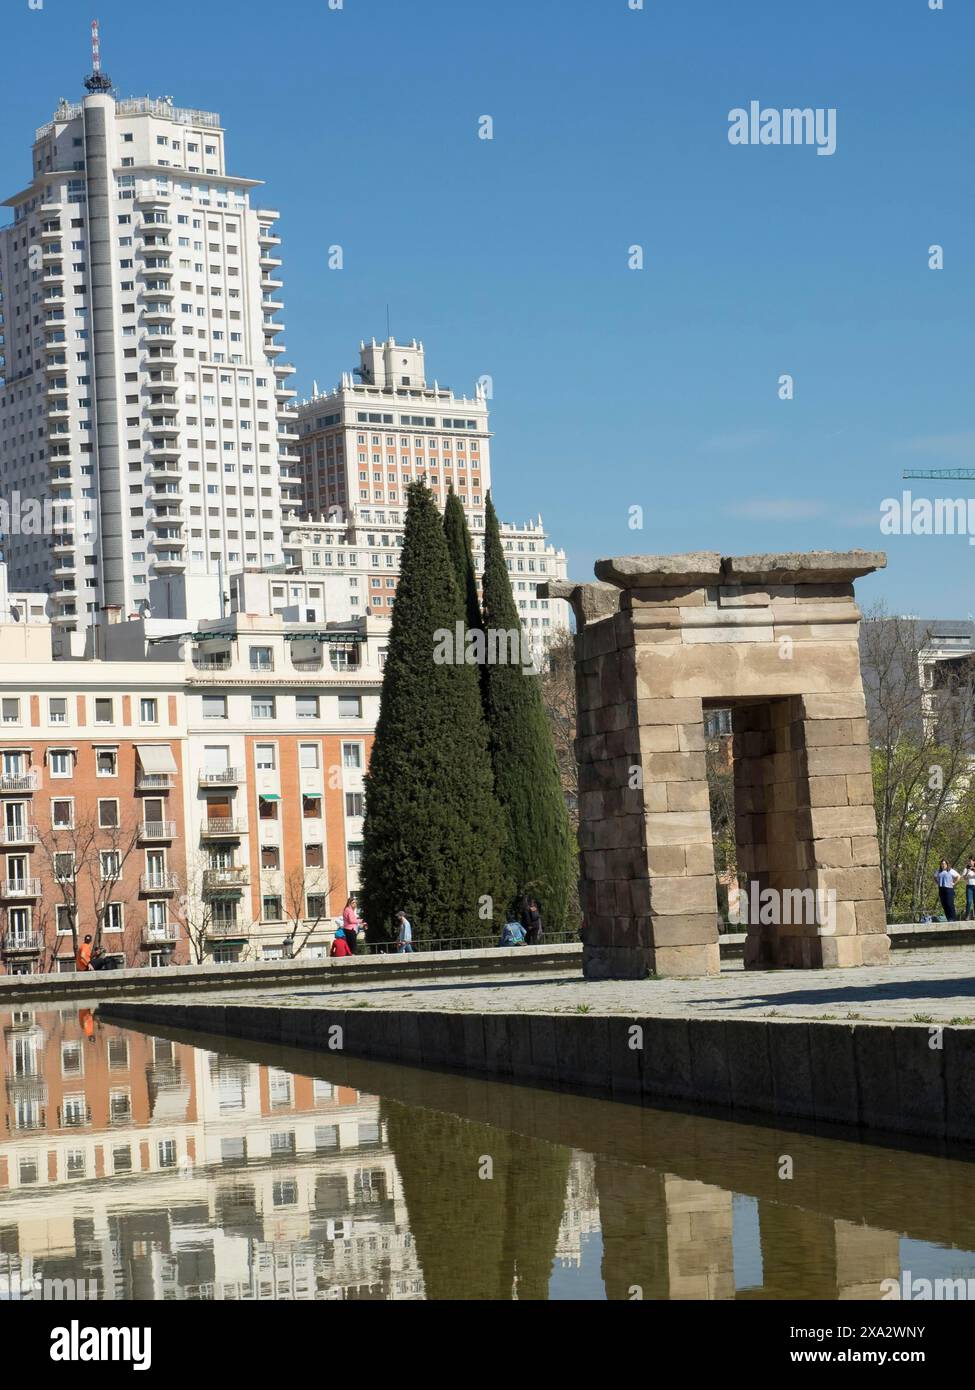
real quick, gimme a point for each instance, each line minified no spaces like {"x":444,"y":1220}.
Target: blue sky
{"x":613,"y":388}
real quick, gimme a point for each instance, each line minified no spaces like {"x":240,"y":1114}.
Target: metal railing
{"x":157,"y":830}
{"x":223,"y":825}
{"x":16,"y":942}
{"x":154,"y":781}
{"x":23,"y":834}
{"x":234,"y":876}
{"x":20,"y":887}
{"x":223,"y":777}
{"x":20,"y":781}
{"x":158,"y":883}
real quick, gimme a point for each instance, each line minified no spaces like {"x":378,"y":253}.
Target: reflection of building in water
{"x":161,"y":1171}
{"x":580,"y":1217}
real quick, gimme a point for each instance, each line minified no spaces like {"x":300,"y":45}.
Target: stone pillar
{"x":774,"y":637}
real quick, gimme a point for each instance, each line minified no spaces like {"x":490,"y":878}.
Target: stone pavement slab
{"x":935,"y":986}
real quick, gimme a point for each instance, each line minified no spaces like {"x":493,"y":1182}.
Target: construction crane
{"x":959,"y":474}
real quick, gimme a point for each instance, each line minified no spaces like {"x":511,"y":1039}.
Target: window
{"x":11,"y":711}
{"x":65,"y":918}
{"x":57,"y":710}
{"x":352,"y":755}
{"x":106,"y":762}
{"x":103,"y":711}
{"x":149,"y":711}
{"x":270,"y":857}
{"x":122,"y":1156}
{"x":355,"y":854}
{"x":266,"y":808}
{"x":350,"y":707}
{"x":354,"y":804}
{"x":314,"y":856}
{"x":62,"y":815}
{"x":64,"y":866}
{"x":264,"y":757}
{"x":271,"y":909}
{"x":306,"y":706}
{"x":262,"y":659}
{"x":214,"y":706}
{"x":108,"y":815}
{"x":59,"y":763}
{"x":111,"y":865}
{"x":311,"y":807}
{"x":113,"y":918}
{"x":262,"y":706}
{"x":308,"y":755}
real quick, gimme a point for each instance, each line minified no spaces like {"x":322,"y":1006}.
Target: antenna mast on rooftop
{"x":96,"y":81}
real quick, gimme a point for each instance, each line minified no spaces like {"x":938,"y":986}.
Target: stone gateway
{"x":775,"y":638}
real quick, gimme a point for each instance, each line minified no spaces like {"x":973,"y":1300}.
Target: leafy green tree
{"x":540,"y":857}
{"x":433,"y":834}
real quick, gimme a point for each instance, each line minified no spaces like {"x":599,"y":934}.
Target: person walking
{"x":946,"y":878}
{"x":531,"y":920}
{"x":340,"y":947}
{"x":404,"y":935}
{"x":350,"y":923}
{"x":968,"y":874}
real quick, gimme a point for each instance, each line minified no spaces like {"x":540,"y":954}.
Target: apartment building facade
{"x":189,"y":797}
{"x":362,"y":444}
{"x":142,"y":392}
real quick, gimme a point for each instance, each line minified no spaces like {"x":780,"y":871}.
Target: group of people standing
{"x":947,"y":878}
{"x":347,"y":935}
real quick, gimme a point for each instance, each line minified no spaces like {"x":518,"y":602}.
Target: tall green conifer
{"x":539,"y":855}
{"x":433,"y":833}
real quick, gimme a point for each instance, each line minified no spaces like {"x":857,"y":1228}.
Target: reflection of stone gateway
{"x":775,"y":638}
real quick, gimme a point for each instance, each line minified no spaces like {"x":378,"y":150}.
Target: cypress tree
{"x":433,"y":832}
{"x":539,"y":855}
{"x":462,"y":557}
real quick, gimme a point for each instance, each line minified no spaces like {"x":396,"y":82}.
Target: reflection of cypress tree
{"x":475,"y":1235}
{"x":537,"y":1180}
{"x":633,"y":1221}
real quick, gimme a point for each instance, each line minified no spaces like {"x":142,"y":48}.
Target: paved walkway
{"x":920,"y":986}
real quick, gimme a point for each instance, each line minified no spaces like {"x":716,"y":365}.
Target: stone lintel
{"x":802,"y":567}
{"x":653,"y":571}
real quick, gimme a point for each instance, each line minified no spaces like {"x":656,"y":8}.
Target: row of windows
{"x":11,"y":709}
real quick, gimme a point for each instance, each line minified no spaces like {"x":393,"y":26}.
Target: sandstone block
{"x":687,"y":960}
{"x":871,"y":917}
{"x":681,"y":896}
{"x":679,"y":828}
{"x":832,"y":822}
{"x":674,"y":767}
{"x":827,"y":791}
{"x":684,"y":711}
{"x":689,"y":929}
{"x":687,"y":796}
{"x":659,"y":738}
{"x":859,"y":790}
{"x":866,"y":850}
{"x":833,"y":706}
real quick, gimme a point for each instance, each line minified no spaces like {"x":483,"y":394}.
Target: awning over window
{"x":156,"y":757}
{"x":269,"y":796}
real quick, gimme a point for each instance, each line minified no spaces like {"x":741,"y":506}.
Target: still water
{"x":152,"y":1167}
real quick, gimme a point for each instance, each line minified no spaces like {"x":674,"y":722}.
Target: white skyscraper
{"x":140,"y":380}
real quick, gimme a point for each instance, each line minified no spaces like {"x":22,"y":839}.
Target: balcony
{"x":19,"y":834}
{"x":20,"y":782}
{"x":151,"y":830}
{"x":165,"y":882}
{"x":216,"y":661}
{"x":154,"y":934}
{"x":20,"y":888}
{"x":224,"y":929}
{"x":223,"y":827}
{"x":229,"y":880}
{"x":74,"y":1116}
{"x":25,"y":943}
{"x":221,"y":777}
{"x":307,"y":663}
{"x":154,"y":781}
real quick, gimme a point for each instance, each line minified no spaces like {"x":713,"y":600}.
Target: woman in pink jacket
{"x":350,"y":923}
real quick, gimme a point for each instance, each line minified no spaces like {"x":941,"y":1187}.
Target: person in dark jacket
{"x":531,"y":920}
